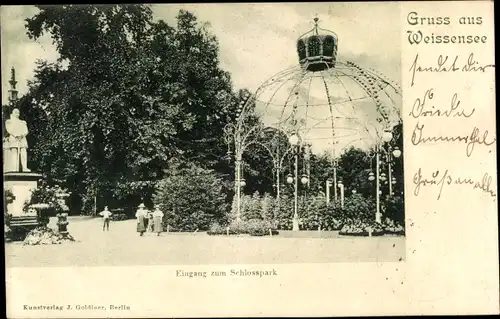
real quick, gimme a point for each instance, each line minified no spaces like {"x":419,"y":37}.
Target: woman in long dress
{"x":158,"y":220}
{"x":141,"y":218}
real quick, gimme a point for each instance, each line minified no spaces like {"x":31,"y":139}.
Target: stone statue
{"x":15,"y":144}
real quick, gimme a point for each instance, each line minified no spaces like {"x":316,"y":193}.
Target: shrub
{"x":357,"y":208}
{"x":283,"y":212}
{"x":395,"y":210}
{"x":8,"y":199}
{"x":191,"y":198}
{"x":314,"y":213}
{"x":267,"y":207}
{"x":362,"y":228}
{"x":7,"y":218}
{"x":255,"y":207}
{"x":393,"y":228}
{"x":45,"y":194}
{"x":253,"y":227}
{"x":217,"y":229}
{"x":252,"y":209}
{"x":331,"y":218}
{"x":46,"y":202}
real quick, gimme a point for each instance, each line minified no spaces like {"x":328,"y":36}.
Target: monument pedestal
{"x":21,"y":185}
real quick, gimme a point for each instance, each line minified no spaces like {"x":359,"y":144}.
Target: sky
{"x":256,"y":40}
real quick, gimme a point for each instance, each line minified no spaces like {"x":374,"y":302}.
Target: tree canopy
{"x":135,"y":94}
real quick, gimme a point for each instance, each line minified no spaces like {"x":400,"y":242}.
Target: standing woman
{"x":157,"y":220}
{"x":141,"y":219}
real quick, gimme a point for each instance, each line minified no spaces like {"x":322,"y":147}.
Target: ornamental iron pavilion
{"x":321,"y":104}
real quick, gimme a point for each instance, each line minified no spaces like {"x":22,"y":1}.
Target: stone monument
{"x":17,"y":177}
{"x":15,"y":144}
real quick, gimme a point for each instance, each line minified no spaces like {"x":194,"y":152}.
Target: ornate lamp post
{"x":242,"y":182}
{"x":238,"y":134}
{"x":304,"y":180}
{"x":294,"y":141}
{"x":396,"y":153}
{"x":379,"y":177}
{"x":305,"y":183}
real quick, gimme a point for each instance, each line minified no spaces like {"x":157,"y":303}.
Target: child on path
{"x":150,"y":221}
{"x":106,"y":214}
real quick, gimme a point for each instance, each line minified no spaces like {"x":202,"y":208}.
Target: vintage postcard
{"x":247,"y":159}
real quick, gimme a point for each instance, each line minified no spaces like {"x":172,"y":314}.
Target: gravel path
{"x":122,"y":246}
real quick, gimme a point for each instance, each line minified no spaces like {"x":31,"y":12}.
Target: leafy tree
{"x":254,"y":208}
{"x":135,"y":94}
{"x":284,"y":212}
{"x":356,"y":207}
{"x":354,"y":166}
{"x":321,"y":171}
{"x":394,"y":210}
{"x":315,"y":214}
{"x":191,"y":198}
{"x":8,"y":199}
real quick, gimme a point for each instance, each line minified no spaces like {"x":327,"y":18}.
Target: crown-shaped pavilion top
{"x":317,"y":49}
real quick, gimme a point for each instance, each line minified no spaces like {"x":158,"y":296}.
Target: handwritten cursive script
{"x":441,"y":178}
{"x":446,"y":64}
{"x":419,"y":108}
{"x":418,"y":137}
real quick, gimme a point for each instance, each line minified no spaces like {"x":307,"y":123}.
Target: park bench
{"x":22,"y":225}
{"x":118,"y":214}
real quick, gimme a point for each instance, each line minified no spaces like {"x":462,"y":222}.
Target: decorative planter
{"x":44,"y":214}
{"x":62,"y":223}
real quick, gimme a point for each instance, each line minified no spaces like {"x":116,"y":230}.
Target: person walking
{"x":141,"y":219}
{"x":106,"y":215}
{"x":158,"y":220}
{"x":150,"y":221}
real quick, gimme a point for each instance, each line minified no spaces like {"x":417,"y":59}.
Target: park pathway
{"x":122,"y":246}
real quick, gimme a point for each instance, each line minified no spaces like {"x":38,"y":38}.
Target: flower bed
{"x":395,"y":230}
{"x":361,"y":228}
{"x":248,"y":227}
{"x":46,"y":236}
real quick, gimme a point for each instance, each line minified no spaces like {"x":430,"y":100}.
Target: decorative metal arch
{"x":376,"y":87}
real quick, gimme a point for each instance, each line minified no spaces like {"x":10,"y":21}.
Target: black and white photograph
{"x":198,"y":134}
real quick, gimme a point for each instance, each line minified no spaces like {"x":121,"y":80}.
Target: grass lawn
{"x":122,"y":246}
